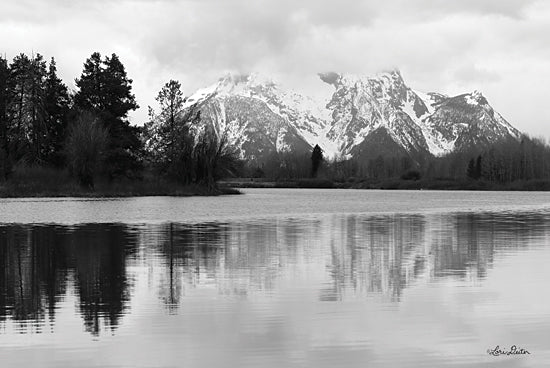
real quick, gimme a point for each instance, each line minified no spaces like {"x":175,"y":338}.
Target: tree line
{"x":503,"y":162}
{"x":87,"y":131}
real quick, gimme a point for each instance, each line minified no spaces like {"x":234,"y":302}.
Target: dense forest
{"x":57,"y":141}
{"x":50,"y":135}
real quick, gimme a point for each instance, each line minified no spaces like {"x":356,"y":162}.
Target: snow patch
{"x":280,"y":144}
{"x":428,"y":100}
{"x":473,"y":98}
{"x":200,"y":95}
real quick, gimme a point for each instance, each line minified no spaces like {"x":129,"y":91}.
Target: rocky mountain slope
{"x":365,"y":117}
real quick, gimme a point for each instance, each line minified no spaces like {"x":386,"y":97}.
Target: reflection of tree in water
{"x":188,"y":251}
{"x":211,"y":252}
{"x":369,"y":254}
{"x":343,"y":255}
{"x":37,"y":263}
{"x":30,"y":275}
{"x":363,"y":254}
{"x":467,"y":242}
{"x":237,"y":258}
{"x":463,"y":242}
{"x":384,"y":254}
{"x":99,"y":255}
{"x":171,"y":293}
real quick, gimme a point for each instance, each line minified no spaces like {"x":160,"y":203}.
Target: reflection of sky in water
{"x":426,"y":289}
{"x":261,"y":203}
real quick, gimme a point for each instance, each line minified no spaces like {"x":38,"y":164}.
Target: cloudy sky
{"x":499,"y":47}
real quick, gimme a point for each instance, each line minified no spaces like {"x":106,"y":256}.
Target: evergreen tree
{"x":167,"y":136}
{"x":26,"y":126}
{"x":39,"y":131}
{"x":106,"y":91}
{"x":119,"y":99}
{"x":316,"y":160}
{"x":56,"y":106}
{"x":171,"y":101}
{"x":18,"y":127}
{"x":90,"y":93}
{"x":478,"y":167}
{"x":4,"y":96}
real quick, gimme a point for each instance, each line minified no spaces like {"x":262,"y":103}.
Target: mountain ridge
{"x":262,"y":118}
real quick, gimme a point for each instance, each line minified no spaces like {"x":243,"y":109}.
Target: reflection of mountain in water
{"x":338,"y":257}
{"x":387,"y":253}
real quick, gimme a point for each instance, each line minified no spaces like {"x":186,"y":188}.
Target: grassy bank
{"x":397,"y":184}
{"x":44,"y":182}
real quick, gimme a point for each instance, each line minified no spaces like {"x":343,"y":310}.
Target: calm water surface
{"x":276,"y":278}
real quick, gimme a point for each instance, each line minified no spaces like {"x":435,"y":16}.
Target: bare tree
{"x":213,"y":156}
{"x":85,"y":147}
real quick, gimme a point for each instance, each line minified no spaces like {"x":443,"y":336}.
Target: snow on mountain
{"x":261,"y":117}
{"x":257,"y":116}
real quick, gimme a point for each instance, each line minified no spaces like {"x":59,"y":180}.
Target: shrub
{"x":86,"y":143}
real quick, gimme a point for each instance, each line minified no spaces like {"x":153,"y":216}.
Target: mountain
{"x":365,"y":117}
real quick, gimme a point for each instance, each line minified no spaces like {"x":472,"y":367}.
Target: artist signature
{"x":514,"y":350}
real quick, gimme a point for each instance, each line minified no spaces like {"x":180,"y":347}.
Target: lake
{"x":277,"y":278}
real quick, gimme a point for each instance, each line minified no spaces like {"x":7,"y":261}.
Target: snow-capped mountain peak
{"x":264,"y":117}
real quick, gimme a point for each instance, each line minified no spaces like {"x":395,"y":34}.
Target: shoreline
{"x":9,"y":191}
{"x":393,"y":184}
{"x":231,"y":187}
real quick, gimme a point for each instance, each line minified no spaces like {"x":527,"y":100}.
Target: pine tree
{"x":106,"y":91}
{"x":119,"y":99}
{"x":18,"y":128}
{"x":26,"y":127}
{"x":171,"y":101}
{"x":168,"y":140}
{"x":90,"y":85}
{"x":37,"y":77}
{"x":4,"y":157}
{"x":478,"y":167}
{"x":56,"y":106}
{"x":316,"y":160}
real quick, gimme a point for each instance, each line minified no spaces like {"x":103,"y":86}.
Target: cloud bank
{"x":497,"y":46}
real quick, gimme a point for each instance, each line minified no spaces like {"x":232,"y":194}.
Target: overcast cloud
{"x":499,"y":47}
